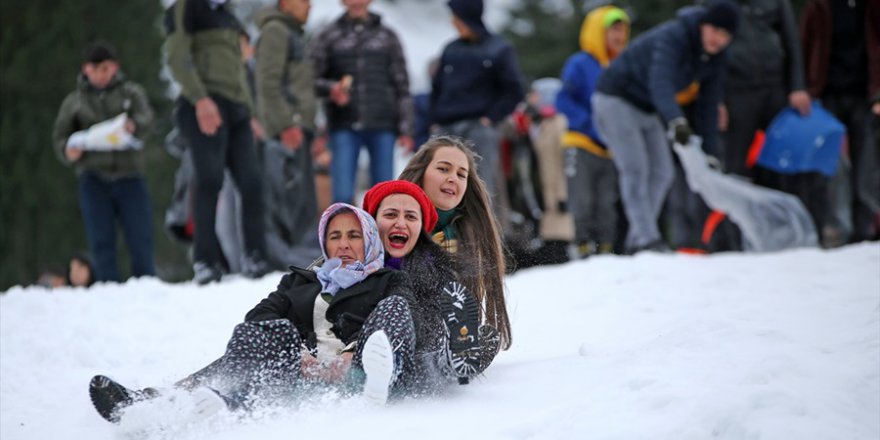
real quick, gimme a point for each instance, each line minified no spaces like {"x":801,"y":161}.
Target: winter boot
{"x":255,"y":266}
{"x":204,"y":273}
{"x":378,"y":363}
{"x":462,"y":316}
{"x":109,"y":397}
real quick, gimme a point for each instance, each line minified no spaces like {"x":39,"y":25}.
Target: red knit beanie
{"x":377,"y":193}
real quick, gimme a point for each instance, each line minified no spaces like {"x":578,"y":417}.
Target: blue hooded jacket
{"x":665,"y":68}
{"x":579,"y":76}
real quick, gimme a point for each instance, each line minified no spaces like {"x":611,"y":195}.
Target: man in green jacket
{"x":284,"y":78}
{"x":111,"y":174}
{"x":286,"y":105}
{"x":215,"y":115}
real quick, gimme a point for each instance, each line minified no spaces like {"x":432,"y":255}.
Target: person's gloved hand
{"x":680,"y":131}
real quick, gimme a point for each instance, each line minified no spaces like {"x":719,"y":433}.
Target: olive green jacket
{"x":284,"y":74}
{"x":87,"y":106}
{"x":203,"y":52}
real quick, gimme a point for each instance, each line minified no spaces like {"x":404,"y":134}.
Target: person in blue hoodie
{"x":640,"y":96}
{"x":590,"y":174}
{"x":477,"y":85}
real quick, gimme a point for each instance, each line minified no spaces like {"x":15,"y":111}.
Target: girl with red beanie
{"x":445,"y":313}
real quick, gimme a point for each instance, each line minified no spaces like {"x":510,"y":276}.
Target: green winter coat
{"x":87,"y":106}
{"x":284,"y":76}
{"x":206,"y":59}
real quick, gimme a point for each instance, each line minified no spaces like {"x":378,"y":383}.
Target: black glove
{"x":680,"y":130}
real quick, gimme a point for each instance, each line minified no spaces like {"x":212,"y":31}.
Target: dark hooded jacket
{"x":665,"y":68}
{"x":766,"y":51}
{"x":476,"y":78}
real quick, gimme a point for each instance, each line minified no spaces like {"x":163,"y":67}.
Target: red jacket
{"x":816,"y":42}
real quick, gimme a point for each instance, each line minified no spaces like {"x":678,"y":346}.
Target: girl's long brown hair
{"x":480,"y":251}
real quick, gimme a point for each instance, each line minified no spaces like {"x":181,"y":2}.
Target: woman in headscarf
{"x":346,"y":322}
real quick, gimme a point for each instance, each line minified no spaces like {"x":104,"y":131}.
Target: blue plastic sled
{"x":799,"y":144}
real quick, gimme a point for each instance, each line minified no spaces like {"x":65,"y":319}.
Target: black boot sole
{"x":108,"y":397}
{"x":461,"y":313}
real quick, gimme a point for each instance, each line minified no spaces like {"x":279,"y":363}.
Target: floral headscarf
{"x":332,"y":274}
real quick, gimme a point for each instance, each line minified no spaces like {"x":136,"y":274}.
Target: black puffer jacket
{"x":294,"y":299}
{"x":371,"y":53}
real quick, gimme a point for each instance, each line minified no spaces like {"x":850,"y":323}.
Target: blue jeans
{"x":346,"y":147}
{"x":104,"y":201}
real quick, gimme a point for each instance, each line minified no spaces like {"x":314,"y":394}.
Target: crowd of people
{"x":407,"y":294}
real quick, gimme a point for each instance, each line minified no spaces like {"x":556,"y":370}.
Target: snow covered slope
{"x":731,"y":346}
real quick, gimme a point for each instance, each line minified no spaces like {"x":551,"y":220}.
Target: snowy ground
{"x":732,"y":346}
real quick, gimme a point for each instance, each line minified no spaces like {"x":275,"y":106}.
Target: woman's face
{"x":345,"y":239}
{"x":446,"y":177}
{"x":399,"y":218}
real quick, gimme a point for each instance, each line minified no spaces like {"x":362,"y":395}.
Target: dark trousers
{"x":592,"y":196}
{"x":749,"y":110}
{"x":231,"y":147}
{"x":863,"y":203}
{"x":103,"y":202}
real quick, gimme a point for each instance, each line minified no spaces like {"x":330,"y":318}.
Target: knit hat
{"x":722,"y":14}
{"x":471,"y":13}
{"x":377,"y":193}
{"x":98,"y":52}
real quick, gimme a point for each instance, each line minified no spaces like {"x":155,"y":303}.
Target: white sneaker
{"x":378,"y":362}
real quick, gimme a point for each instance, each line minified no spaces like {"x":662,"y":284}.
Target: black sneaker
{"x":204,"y":273}
{"x":658,"y":246}
{"x":461,"y":313}
{"x":109,"y":397}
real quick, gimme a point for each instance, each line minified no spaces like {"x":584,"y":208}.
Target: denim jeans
{"x":104,"y":201}
{"x":346,"y":147}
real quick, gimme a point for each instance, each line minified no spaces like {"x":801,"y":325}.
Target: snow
{"x":732,"y":346}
